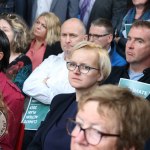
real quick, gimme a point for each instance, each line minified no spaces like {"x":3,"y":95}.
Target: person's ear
{"x":100,"y":78}
{"x":1,"y":55}
{"x":110,"y":38}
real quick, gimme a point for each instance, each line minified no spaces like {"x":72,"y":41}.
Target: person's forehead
{"x":3,"y":21}
{"x":102,"y":115}
{"x":71,"y":27}
{"x":140,"y":31}
{"x":96,"y":27}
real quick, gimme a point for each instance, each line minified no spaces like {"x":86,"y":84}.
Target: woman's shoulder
{"x":7,"y":86}
{"x":53,"y":49}
{"x":21,"y":59}
{"x":61,"y":99}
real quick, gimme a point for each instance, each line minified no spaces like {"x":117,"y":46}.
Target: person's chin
{"x":76,"y":85}
{"x":75,"y":147}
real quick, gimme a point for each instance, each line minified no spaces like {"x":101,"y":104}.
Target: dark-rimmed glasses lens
{"x":96,"y":36}
{"x":91,"y":135}
{"x":82,"y":68}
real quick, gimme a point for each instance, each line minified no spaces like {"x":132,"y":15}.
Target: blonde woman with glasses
{"x":88,"y":66}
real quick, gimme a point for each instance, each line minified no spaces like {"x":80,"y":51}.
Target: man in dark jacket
{"x":137,"y":56}
{"x":109,"y":9}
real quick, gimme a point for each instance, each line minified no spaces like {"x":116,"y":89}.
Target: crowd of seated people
{"x":88,"y":66}
{"x":61,"y":53}
{"x":54,"y":77}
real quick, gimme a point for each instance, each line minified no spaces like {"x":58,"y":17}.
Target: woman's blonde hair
{"x":53,"y":25}
{"x":104,"y":60}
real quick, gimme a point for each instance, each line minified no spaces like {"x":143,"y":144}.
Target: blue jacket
{"x":115,"y":58}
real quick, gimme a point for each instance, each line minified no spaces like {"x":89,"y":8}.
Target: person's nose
{"x":130,"y":44}
{"x":77,"y":70}
{"x":91,"y":39}
{"x":80,"y":138}
{"x":68,"y":39}
{"x":39,"y":26}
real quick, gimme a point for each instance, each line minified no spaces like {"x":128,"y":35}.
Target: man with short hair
{"x":51,"y":77}
{"x":101,"y":32}
{"x":137,"y":56}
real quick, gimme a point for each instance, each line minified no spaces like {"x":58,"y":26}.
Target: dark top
{"x":19,"y":70}
{"x":53,"y":49}
{"x":57,"y":137}
{"x":60,"y":104}
{"x":109,"y":9}
{"x":122,"y":72}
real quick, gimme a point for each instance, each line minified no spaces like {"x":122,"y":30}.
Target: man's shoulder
{"x":117,"y":73}
{"x":62,"y":97}
{"x":52,"y":59}
{"x":55,"y":57}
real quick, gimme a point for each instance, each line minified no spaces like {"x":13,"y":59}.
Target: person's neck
{"x":13,"y":56}
{"x":108,"y":48}
{"x":38,"y":43}
{"x":138,"y":67}
{"x":139,"y":11}
{"x":80,"y":92}
{"x":39,"y":40}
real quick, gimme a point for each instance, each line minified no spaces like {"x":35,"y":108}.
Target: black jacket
{"x":122,"y":72}
{"x":59,"y":105}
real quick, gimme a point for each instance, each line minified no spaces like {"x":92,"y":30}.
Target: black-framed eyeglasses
{"x":82,"y":67}
{"x":96,"y":36}
{"x":91,"y":135}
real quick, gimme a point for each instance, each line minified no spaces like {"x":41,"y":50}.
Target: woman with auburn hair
{"x":89,"y":65}
{"x":45,"y":35}
{"x":110,"y":118}
{"x":12,"y":98}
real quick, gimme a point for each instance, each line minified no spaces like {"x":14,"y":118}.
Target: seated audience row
{"x":17,"y":32}
{"x":51,"y":77}
{"x":28,"y":51}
